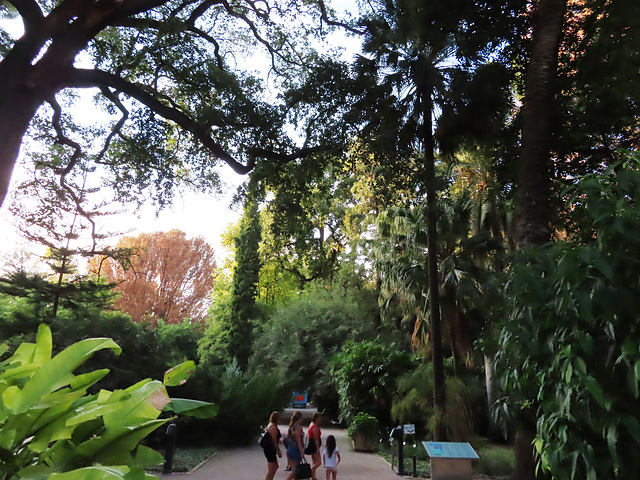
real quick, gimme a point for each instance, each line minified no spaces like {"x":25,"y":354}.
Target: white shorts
{"x":331,"y":469}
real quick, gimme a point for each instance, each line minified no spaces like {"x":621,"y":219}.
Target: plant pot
{"x":362,"y":442}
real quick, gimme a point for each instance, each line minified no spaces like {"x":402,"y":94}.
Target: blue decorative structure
{"x":299,"y":399}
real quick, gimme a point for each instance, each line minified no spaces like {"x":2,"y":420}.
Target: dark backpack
{"x":265,"y":440}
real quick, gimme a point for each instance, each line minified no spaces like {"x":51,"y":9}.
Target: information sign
{"x":450,"y":450}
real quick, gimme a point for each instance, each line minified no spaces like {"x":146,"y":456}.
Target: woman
{"x":272,"y":448}
{"x":315,"y":443}
{"x":295,"y":450}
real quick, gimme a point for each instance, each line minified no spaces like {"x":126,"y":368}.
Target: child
{"x":331,"y":457}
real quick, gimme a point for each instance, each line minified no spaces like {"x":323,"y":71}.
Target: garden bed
{"x":186,"y":459}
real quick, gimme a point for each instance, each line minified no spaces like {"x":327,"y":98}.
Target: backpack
{"x":265,"y":440}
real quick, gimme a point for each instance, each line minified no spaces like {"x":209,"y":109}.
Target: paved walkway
{"x":248,"y":463}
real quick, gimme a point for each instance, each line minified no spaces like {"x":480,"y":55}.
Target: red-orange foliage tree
{"x":170,"y":277}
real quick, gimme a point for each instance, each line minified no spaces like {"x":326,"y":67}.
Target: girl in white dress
{"x":331,"y":458}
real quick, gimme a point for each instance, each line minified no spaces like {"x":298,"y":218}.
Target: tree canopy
{"x":170,"y":78}
{"x":169,"y":277}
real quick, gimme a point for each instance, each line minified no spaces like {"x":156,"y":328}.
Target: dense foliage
{"x":299,"y":340}
{"x":569,"y":349}
{"x":365,"y":375}
{"x":52,"y":428}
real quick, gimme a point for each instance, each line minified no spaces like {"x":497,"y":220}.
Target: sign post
{"x":450,"y":460}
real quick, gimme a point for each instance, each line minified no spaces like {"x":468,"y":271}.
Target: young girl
{"x":331,"y":457}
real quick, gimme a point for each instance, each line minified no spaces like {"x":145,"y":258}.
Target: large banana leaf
{"x":54,"y":374}
{"x":51,"y":428}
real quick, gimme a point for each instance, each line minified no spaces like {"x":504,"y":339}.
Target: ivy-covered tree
{"x":244,"y":310}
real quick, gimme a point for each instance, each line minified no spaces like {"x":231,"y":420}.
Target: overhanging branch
{"x":86,"y":78}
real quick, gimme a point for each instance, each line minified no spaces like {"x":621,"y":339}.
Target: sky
{"x":197,"y":214}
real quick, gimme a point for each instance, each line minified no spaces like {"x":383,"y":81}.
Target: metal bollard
{"x":415,"y":466}
{"x":170,"y":447}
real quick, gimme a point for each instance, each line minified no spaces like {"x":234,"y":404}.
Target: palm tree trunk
{"x":533,"y":219}
{"x":425,"y":87}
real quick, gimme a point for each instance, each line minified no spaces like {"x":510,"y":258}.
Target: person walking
{"x":272,"y":448}
{"x":331,"y":458}
{"x":295,"y":450}
{"x":315,"y":442}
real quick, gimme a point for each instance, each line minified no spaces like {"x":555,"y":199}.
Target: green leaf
{"x":633,"y":426}
{"x":115,"y":443}
{"x":56,"y":373}
{"x":44,"y":345}
{"x":144,"y":403}
{"x":179,"y":374}
{"x":194,"y":408}
{"x":595,"y":389}
{"x":148,"y":457}
{"x":103,"y":473}
{"x":612,"y":442}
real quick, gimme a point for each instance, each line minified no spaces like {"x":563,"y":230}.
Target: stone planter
{"x":361,"y":442}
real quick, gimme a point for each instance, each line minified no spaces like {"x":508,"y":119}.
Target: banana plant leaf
{"x":179,"y":374}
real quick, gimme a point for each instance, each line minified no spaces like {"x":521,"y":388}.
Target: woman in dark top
{"x":272,"y":449}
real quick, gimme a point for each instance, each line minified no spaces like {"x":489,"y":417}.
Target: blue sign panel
{"x":299,"y":399}
{"x":450,"y":450}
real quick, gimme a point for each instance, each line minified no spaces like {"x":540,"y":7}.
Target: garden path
{"x":248,"y":463}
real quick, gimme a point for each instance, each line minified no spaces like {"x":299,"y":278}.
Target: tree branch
{"x":62,"y":139}
{"x":139,"y":23}
{"x":86,"y":78}
{"x":118,"y":126}
{"x":334,"y":23}
{"x":201,"y":9}
{"x":272,"y":51}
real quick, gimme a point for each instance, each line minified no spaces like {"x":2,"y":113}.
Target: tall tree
{"x":534,"y":172}
{"x":160,"y":68}
{"x":244,"y":311}
{"x":169,"y":276}
{"x":417,"y":65}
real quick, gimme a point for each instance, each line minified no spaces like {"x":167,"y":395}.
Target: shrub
{"x":246,"y":401}
{"x":365,"y":375}
{"x":413,"y":403}
{"x":496,"y":461}
{"x":364,"y":424}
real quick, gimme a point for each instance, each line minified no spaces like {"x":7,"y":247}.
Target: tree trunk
{"x":16,"y":112}
{"x":525,"y":462}
{"x":533,"y":206}
{"x":533,"y":213}
{"x":425,"y":87}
